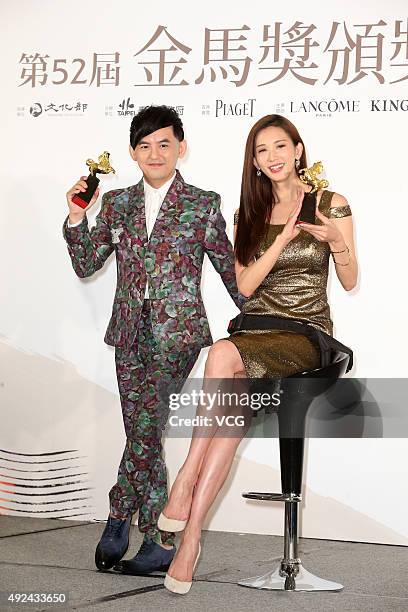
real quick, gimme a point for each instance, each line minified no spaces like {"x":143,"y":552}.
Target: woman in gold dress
{"x":282,"y":268}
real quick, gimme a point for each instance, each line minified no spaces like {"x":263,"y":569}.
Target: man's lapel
{"x":170,"y":209}
{"x":168,"y":214}
{"x":136,"y":214}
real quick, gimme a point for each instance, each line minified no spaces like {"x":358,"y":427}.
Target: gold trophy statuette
{"x":309,"y":177}
{"x":102,"y":166}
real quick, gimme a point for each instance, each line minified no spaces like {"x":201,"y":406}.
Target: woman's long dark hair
{"x":257,"y":198}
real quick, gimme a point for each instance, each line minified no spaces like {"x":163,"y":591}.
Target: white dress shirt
{"x":153,"y":201}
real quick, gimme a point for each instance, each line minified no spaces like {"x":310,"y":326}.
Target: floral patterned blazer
{"x":189,"y":224}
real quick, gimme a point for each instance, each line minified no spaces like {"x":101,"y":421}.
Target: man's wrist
{"x":75,"y":219}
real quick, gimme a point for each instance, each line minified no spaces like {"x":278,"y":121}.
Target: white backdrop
{"x":58,"y":387}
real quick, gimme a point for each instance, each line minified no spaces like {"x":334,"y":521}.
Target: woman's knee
{"x":224,"y":355}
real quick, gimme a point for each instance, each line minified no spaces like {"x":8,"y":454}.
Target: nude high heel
{"x":167,"y":524}
{"x":179,"y":586}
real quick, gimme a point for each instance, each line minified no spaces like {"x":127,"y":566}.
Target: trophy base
{"x":82,"y":199}
{"x":77,"y":200}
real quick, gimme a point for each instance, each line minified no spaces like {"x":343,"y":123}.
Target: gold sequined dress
{"x":295,"y":288}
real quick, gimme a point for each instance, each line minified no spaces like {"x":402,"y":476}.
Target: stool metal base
{"x":279,"y":580}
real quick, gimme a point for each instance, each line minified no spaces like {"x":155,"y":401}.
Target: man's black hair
{"x":152,"y":118}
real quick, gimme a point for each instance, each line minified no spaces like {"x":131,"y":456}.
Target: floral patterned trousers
{"x":144,"y":373}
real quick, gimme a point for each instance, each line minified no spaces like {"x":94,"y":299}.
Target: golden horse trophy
{"x":102,"y":166}
{"x":309,"y":177}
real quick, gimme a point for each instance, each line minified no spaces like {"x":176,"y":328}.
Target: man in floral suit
{"x":160,"y":230}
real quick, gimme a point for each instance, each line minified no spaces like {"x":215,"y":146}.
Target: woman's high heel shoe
{"x":168,"y":524}
{"x":179,"y":586}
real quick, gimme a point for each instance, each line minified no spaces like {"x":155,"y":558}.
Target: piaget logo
{"x":235,"y":109}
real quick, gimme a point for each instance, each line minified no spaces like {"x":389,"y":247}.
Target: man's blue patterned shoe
{"x":113,"y":543}
{"x":151,"y":557}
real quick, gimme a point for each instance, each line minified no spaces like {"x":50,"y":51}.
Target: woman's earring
{"x":297,"y":163}
{"x":258,"y":172}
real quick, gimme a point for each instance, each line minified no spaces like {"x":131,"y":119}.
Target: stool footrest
{"x":285,"y":497}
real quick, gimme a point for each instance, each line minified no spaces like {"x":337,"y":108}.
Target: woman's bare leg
{"x":214,"y":470}
{"x":223,"y":362}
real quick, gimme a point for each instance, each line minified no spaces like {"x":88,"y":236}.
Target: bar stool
{"x":298,"y":392}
